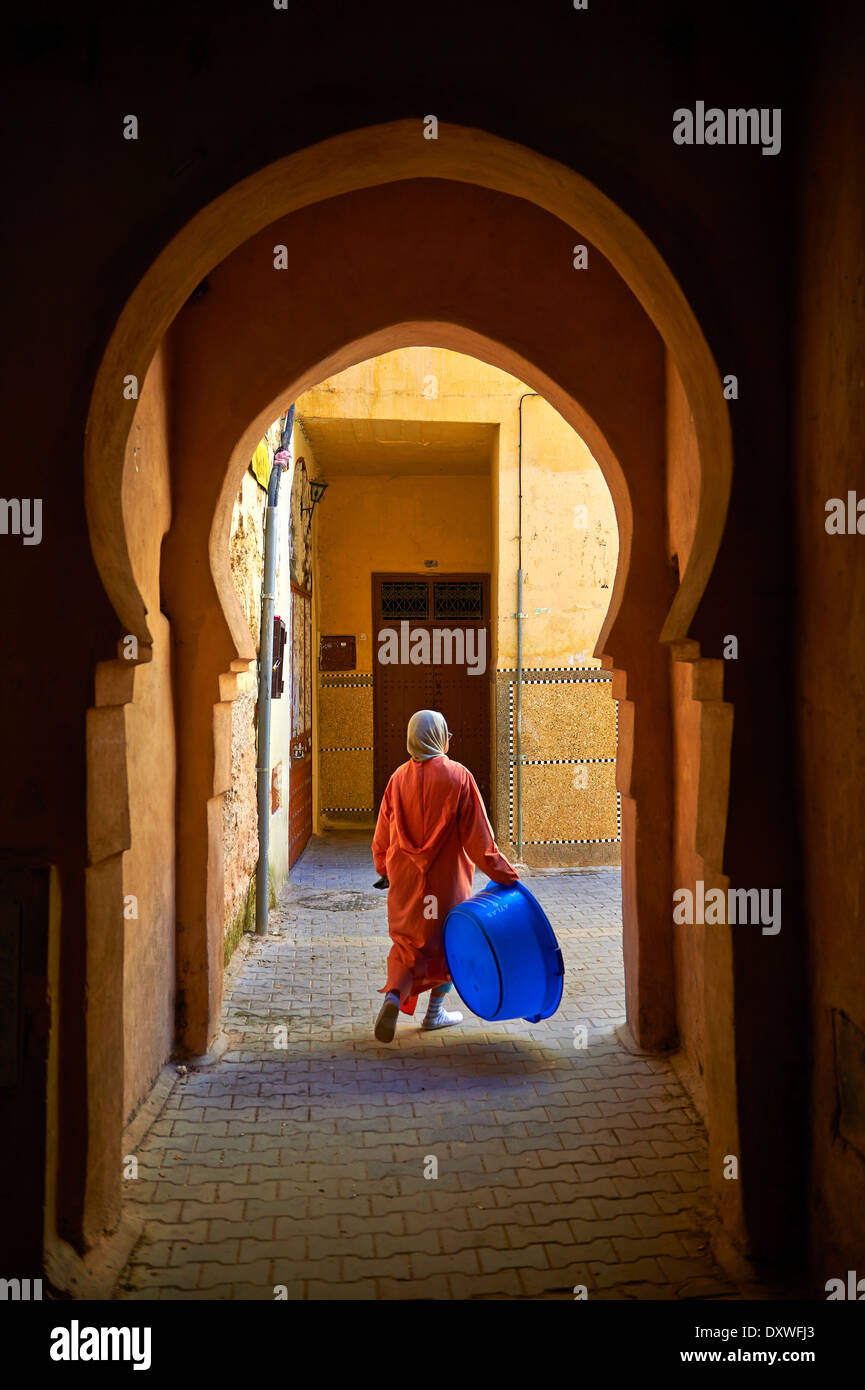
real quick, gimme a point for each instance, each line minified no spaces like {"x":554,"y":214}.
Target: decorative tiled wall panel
{"x":345,"y":740}
{"x":569,"y":733}
{"x":345,"y":716}
{"x":568,"y":719}
{"x":558,"y":809}
{"x":345,"y":779}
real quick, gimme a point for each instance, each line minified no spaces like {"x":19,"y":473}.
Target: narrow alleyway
{"x":303,"y":1165}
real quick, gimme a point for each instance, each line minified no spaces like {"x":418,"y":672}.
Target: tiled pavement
{"x":302,"y":1165}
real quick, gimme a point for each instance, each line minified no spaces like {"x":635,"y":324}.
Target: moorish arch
{"x":396,"y":241}
{"x":364,"y":159}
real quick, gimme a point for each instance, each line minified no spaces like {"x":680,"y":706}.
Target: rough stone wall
{"x":240,"y":821}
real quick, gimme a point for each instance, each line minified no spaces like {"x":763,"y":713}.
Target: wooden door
{"x":457,"y":606}
{"x":300,"y":766}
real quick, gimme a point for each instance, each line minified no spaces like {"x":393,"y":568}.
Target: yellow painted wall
{"x":568,"y":570}
{"x":570,"y":543}
{"x":392,"y":523}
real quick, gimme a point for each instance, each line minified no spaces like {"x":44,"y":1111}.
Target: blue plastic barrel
{"x":503,"y":955}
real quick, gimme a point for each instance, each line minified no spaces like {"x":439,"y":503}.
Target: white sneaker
{"x":441,"y":1020}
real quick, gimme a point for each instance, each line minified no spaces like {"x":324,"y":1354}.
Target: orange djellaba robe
{"x":432,"y":828}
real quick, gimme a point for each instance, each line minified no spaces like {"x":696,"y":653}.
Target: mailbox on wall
{"x":277,"y":684}
{"x":337,"y":654}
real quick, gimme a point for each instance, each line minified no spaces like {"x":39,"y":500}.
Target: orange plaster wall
{"x":683,"y":473}
{"x":683,"y":469}
{"x":148,"y":865}
{"x":688,"y":940}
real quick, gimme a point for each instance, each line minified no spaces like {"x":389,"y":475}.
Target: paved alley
{"x":298,"y":1159}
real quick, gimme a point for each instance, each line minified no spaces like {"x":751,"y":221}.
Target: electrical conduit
{"x":265,"y":676}
{"x":519,"y":710}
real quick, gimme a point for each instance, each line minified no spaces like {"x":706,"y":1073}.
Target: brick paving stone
{"x":665,"y":1243}
{"x":529,"y":1256}
{"x":425,"y":1241}
{"x":546,"y":1283}
{"x":653,"y":1225}
{"x":304,"y":1165}
{"x":583,"y":1231}
{"x":360,"y":1290}
{"x":182,"y":1253}
{"x":157,"y":1231}
{"x":621,"y":1274}
{"x":258,"y":1274}
{"x":222,"y":1229}
{"x":503,"y":1284}
{"x":433,"y":1287}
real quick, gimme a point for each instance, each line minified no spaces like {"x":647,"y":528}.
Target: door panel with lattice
{"x":438,"y":652}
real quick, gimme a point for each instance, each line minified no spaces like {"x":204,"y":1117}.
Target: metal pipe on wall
{"x":518,"y":733}
{"x":265,"y":680}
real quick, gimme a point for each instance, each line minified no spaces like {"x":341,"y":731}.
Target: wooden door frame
{"x":430,"y":577}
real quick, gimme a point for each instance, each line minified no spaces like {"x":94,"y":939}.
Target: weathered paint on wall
{"x":240,"y":810}
{"x":240,"y":820}
{"x":570,"y":543}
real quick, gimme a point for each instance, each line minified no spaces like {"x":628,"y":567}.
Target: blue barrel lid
{"x":473,"y":964}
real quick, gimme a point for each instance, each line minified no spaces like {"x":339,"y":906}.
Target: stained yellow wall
{"x":392,"y":523}
{"x":420,"y":450}
{"x":568,"y":571}
{"x":570,"y":542}
{"x":380,"y":522}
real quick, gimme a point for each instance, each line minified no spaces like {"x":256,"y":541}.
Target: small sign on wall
{"x":277,"y":683}
{"x":337,"y":654}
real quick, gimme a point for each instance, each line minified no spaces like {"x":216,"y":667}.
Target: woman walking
{"x":432,"y":829}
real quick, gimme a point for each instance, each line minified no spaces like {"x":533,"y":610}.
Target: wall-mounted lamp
{"x":317,"y":490}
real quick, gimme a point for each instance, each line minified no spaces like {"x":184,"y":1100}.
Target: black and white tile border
{"x":575,"y":762}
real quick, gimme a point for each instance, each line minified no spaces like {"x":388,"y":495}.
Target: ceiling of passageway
{"x":400,"y":446}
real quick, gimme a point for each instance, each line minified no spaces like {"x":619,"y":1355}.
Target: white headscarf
{"x":427,"y":735}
